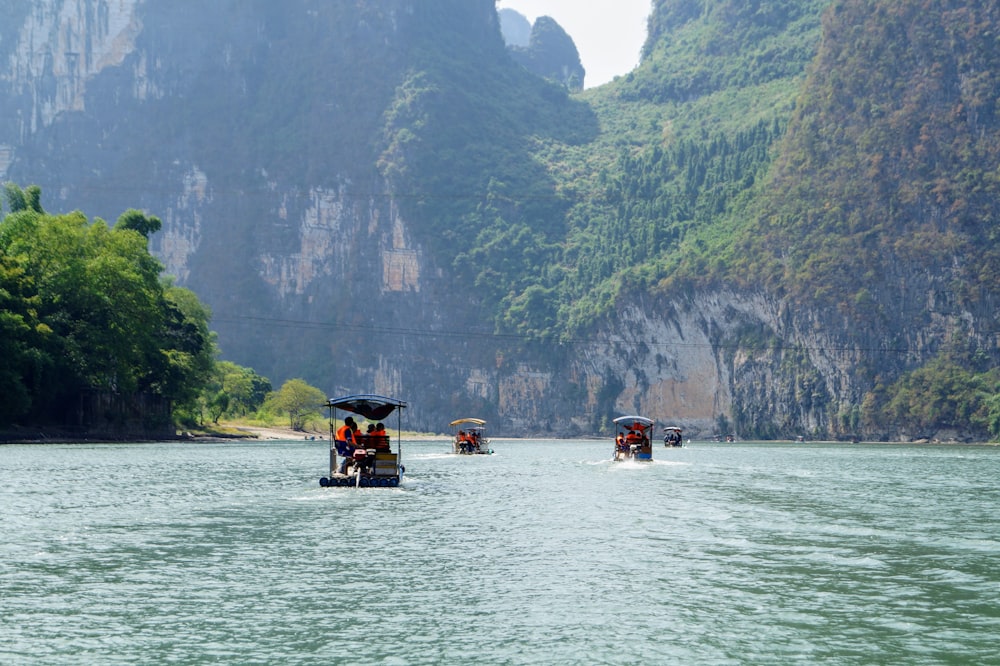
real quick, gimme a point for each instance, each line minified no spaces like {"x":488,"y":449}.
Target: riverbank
{"x":210,"y":434}
{"x":219,"y":433}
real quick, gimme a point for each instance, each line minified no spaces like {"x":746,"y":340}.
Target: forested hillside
{"x":882,"y":207}
{"x":780,"y":224}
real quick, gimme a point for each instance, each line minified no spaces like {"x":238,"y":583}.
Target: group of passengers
{"x":349,"y":439}
{"x":624,"y":442}
{"x":468,"y":442}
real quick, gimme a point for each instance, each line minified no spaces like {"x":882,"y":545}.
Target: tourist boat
{"x":367,"y":460}
{"x":470,"y":437}
{"x":632,"y":438}
{"x":673,"y":436}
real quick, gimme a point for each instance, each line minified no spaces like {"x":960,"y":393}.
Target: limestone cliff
{"x":324,"y":171}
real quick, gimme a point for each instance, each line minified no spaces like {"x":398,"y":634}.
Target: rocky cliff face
{"x":258,"y":135}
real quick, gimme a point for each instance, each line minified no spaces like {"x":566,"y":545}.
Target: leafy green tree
{"x":20,"y":336}
{"x":218,"y":405}
{"x":84,"y":308}
{"x":19,"y":200}
{"x":300,"y":400}
{"x":246,"y":390}
{"x":138,"y":221}
{"x":232,"y":391}
{"x":188,"y":349}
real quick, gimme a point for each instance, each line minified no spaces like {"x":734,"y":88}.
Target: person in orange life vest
{"x":345,"y":433}
{"x":620,"y":441}
{"x":632,"y":437}
{"x":643,"y":439}
{"x":383,"y":437}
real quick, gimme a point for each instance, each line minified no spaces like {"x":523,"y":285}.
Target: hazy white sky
{"x":608,"y":33}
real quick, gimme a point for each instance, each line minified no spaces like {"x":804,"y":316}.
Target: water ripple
{"x":544,"y":553}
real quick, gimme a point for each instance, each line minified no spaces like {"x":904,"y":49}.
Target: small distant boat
{"x":470,"y":437}
{"x":366,"y":460}
{"x":673,"y":436}
{"x":632,"y":438}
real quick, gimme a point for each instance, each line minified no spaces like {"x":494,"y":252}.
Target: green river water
{"x":544,"y":553}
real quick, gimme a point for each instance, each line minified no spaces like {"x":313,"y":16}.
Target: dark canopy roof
{"x":372,"y":407}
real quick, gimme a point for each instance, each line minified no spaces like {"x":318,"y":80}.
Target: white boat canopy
{"x":634,"y":420}
{"x":478,"y":422}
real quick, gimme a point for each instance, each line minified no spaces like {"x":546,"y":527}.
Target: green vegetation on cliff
{"x":834,"y":158}
{"x":838,"y":154}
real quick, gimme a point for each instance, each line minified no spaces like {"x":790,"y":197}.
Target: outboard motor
{"x":360,"y":458}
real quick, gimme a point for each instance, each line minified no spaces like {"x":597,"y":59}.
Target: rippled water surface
{"x":545,"y":553}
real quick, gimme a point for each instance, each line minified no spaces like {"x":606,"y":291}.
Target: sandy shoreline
{"x":279,"y":433}
{"x":271,"y":433}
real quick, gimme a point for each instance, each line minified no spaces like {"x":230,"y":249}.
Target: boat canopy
{"x":634,"y":421}
{"x":668,"y":428}
{"x":457,"y":422}
{"x":372,"y":407}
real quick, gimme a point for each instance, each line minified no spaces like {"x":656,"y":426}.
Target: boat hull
{"x":362,"y":481}
{"x":624,"y":456}
{"x":472,"y":451}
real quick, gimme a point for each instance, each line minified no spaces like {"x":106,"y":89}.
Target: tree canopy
{"x":83,"y":307}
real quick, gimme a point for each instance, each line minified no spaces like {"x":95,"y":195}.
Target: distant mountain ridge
{"x":779,"y":224}
{"x":546,"y":50}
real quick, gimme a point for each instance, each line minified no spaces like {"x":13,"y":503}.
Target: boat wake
{"x":431,"y":456}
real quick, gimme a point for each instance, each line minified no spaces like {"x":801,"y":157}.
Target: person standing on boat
{"x":620,"y":441}
{"x":345,"y":434}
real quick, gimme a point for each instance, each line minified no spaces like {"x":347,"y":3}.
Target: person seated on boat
{"x":345,"y":429}
{"x":362,"y":439}
{"x":465,"y":442}
{"x":633,"y":437}
{"x":345,"y":435}
{"x":620,"y":442}
{"x":380,"y":438}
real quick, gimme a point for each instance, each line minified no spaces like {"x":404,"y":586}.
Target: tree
{"x":26,"y":199}
{"x":187,"y":347}
{"x":83,"y":308}
{"x":138,"y":221}
{"x":246,"y":390}
{"x":231,"y":391}
{"x":300,"y":400}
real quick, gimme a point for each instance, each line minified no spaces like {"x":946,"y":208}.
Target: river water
{"x":544,"y":553}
